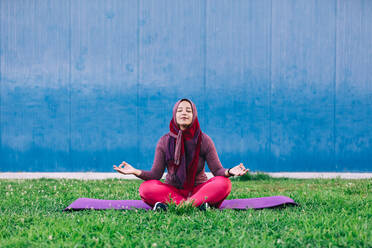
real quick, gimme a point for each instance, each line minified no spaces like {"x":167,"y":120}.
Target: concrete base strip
{"x":104,"y":175}
{"x":305,"y":175}
{"x":65,"y":175}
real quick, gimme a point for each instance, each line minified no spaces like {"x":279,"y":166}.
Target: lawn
{"x":332,"y":213}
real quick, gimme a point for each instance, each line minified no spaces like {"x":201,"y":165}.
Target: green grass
{"x":252,"y":176}
{"x":332,"y":213}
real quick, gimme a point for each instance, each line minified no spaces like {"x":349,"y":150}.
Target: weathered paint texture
{"x":279,"y":85}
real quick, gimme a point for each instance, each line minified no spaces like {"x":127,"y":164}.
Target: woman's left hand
{"x":238,"y":170}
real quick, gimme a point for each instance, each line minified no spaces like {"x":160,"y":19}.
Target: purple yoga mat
{"x":256,"y":203}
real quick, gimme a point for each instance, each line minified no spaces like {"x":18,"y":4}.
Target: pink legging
{"x":214,"y":191}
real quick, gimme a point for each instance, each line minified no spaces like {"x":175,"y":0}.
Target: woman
{"x":183,"y":151}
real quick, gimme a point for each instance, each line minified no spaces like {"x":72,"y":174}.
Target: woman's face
{"x":184,"y":114}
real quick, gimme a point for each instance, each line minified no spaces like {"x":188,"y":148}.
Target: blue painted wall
{"x":279,"y":85}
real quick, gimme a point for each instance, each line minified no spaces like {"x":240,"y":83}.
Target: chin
{"x":182,"y":123}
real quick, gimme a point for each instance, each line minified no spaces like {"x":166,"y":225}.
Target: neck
{"x":183,"y":127}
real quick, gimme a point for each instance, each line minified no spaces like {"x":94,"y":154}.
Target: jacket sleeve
{"x":158,"y":165}
{"x":212,"y":159}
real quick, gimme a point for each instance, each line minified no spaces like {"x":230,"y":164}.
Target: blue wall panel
{"x":302,"y":85}
{"x":279,"y":85}
{"x":238,"y":79}
{"x":34,"y":86}
{"x":354,"y":86}
{"x":103,"y":83}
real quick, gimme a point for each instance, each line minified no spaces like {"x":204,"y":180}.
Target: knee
{"x":147,"y":187}
{"x":223,"y":183}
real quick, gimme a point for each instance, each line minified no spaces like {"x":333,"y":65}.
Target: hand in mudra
{"x":238,"y":170}
{"x":125,"y":168}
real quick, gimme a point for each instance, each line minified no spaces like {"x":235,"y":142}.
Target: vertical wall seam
{"x":1,"y":88}
{"x":270,"y":78}
{"x":334,"y":89}
{"x":205,"y":64}
{"x":138,"y":81}
{"x":69,"y":81}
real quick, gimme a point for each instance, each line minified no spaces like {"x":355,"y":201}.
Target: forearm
{"x":149,"y":175}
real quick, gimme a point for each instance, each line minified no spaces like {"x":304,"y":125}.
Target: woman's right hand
{"x":126,"y":169}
